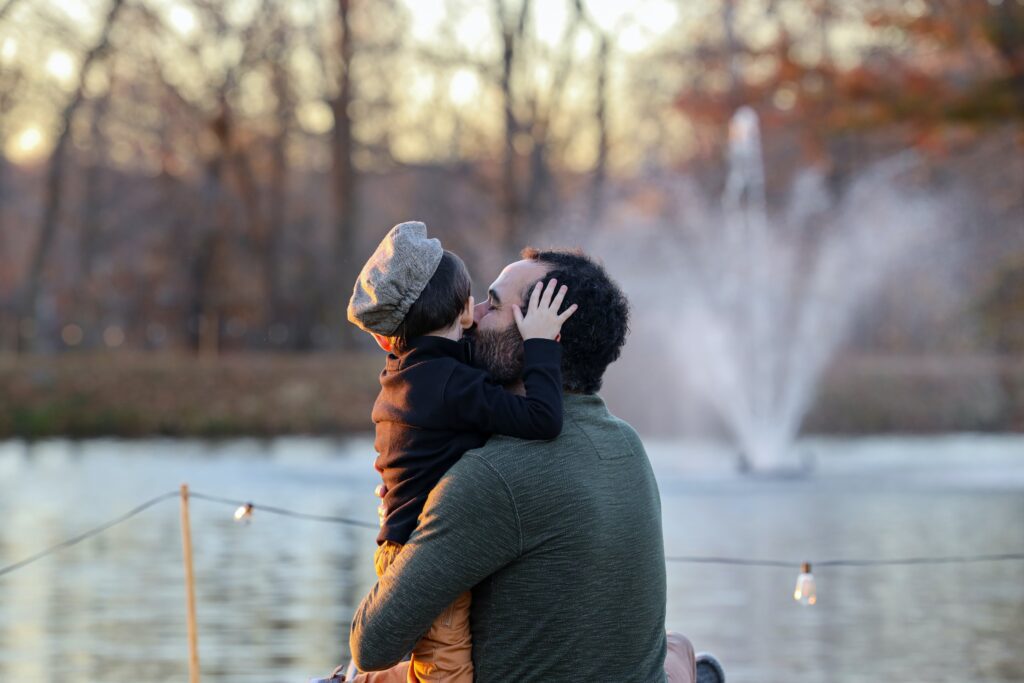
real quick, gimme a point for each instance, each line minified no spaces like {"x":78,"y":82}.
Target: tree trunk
{"x":201,"y":309}
{"x":86,"y":309}
{"x":8,"y":318}
{"x":55,"y":178}
{"x":511,"y":202}
{"x":345,"y":266}
{"x":732,"y":54}
{"x":209,"y":253}
{"x":278,"y":195}
{"x":509,"y":189}
{"x":597,"y":187}
{"x":1007,"y":34}
{"x":10,"y":80}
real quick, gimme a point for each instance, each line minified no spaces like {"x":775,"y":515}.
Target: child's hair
{"x":439,"y":305}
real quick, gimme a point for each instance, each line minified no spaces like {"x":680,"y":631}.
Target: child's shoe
{"x":709,"y":669}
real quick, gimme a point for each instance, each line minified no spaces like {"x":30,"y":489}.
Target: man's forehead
{"x":516,"y":277}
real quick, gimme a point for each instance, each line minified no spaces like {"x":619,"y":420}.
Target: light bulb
{"x":805,"y":592}
{"x":243,"y":513}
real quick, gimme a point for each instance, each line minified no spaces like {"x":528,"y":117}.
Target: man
{"x":560,"y":541}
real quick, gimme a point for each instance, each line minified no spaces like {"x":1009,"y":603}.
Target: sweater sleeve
{"x":475,"y":403}
{"x":468,"y":530}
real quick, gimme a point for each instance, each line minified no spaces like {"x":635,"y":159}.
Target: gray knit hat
{"x":393,"y":279}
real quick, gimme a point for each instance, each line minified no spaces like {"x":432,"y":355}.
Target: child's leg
{"x":399,"y":673}
{"x":445,"y":653}
{"x":382,"y":558}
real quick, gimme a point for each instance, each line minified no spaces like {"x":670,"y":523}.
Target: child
{"x":414,"y":298}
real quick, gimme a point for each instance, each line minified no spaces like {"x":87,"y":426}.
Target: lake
{"x":274,"y":597}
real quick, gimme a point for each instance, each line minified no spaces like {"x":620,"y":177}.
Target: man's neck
{"x":454,"y":332}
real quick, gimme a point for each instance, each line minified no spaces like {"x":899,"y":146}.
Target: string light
{"x":284,"y":512}
{"x":244,"y":513}
{"x":805,"y":592}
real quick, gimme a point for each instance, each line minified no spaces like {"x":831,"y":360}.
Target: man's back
{"x":585,"y":598}
{"x":560,"y":541}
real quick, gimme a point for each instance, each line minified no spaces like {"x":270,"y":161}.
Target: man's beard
{"x":500,"y":353}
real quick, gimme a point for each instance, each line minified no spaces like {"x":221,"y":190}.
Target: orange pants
{"x":680,"y":661}
{"x":445,"y":653}
{"x":680,"y":664}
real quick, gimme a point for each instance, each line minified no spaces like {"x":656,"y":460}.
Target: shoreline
{"x":266,"y":395}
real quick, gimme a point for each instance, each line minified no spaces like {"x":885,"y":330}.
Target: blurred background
{"x":188,"y":189}
{"x":816,"y":208}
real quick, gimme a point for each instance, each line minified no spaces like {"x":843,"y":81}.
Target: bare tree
{"x":95,"y":203}
{"x":597,"y":185}
{"x":10,"y":82}
{"x":511,"y":30}
{"x":55,"y":178}
{"x":344,"y":173}
{"x":271,"y":241}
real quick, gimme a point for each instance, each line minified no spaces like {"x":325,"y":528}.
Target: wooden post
{"x":190,"y":590}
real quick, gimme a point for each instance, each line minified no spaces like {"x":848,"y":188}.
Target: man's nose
{"x":479,"y":310}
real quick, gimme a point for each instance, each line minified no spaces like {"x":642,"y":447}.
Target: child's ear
{"x":466,"y":318}
{"x":383,"y":342}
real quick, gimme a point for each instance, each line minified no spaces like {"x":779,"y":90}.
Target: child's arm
{"x":478,"y":404}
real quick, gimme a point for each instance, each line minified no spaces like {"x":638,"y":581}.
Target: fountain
{"x":764,"y":301}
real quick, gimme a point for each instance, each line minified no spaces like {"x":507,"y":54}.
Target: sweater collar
{"x":582,"y":403}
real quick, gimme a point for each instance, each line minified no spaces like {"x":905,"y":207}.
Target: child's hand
{"x":542,"y":320}
{"x":382,"y":512}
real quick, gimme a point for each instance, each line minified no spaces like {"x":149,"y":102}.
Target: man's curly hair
{"x":593,"y":336}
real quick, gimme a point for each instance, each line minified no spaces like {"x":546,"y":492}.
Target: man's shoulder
{"x":500,"y":463}
{"x":627,"y":431}
{"x":498,"y":455}
{"x":523,"y":459}
{"x":502,"y":451}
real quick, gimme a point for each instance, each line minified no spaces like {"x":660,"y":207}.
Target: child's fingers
{"x":549,"y":291}
{"x":567,"y":313}
{"x":557,"y":302}
{"x":517,"y":313}
{"x":535,"y":296}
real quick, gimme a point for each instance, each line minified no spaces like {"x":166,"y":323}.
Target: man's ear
{"x":466,"y":317}
{"x":383,"y":342}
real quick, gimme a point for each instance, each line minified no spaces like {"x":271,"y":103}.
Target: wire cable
{"x":284,"y":512}
{"x":332,"y":519}
{"x":90,"y":533}
{"x":730,"y":561}
{"x":905,"y":561}
{"x":952,"y":559}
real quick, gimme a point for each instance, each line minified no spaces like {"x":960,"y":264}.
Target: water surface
{"x":275,"y":596}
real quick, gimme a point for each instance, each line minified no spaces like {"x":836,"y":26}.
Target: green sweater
{"x":560,"y":542}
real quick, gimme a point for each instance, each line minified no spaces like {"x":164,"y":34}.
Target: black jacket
{"x":434,"y":406}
